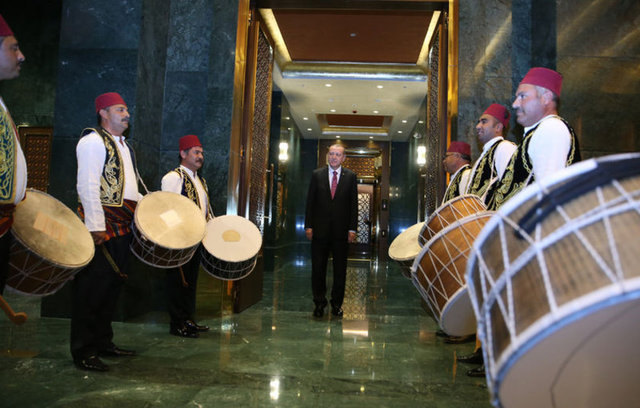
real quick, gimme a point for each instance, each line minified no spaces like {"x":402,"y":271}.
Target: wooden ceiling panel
{"x":393,"y":37}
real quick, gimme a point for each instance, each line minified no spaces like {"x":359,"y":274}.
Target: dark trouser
{"x":320,"y":250}
{"x":95,"y":293}
{"x":181,"y":300}
{"x":5,"y":245}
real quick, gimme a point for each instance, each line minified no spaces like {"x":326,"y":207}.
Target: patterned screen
{"x":36,"y":145}
{"x":432,"y":141}
{"x":260,"y":134}
{"x":364,"y":214}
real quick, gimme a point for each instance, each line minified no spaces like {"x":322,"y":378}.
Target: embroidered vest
{"x":8,"y":160}
{"x":453,"y":189}
{"x":485,"y":172}
{"x":519,"y":171}
{"x":112,"y":180}
{"x":190,"y":191}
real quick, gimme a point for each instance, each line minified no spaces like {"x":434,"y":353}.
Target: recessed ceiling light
{"x":404,"y":121}
{"x":337,"y":136}
{"x":309,"y":129}
{"x":332,"y":110}
{"x":379,"y":86}
{"x":305,"y":118}
{"x":327,"y":85}
{"x":420,"y":122}
{"x":399,"y":131}
{"x":375,"y":111}
{"x":353,"y":35}
{"x":287,"y":118}
{"x":370,"y":137}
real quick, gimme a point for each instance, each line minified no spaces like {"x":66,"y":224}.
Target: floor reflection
{"x":382,"y":353}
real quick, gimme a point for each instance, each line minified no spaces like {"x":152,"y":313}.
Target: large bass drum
{"x":230,"y":247}
{"x":167,"y":230}
{"x":449,"y":212}
{"x":438,"y":273}
{"x":51,"y":244}
{"x":554,"y":280}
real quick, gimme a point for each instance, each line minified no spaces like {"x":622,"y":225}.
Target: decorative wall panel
{"x":432,"y":138}
{"x":36,"y":145}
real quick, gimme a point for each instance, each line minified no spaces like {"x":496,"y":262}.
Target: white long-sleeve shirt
{"x":91,"y":155}
{"x":549,"y":146}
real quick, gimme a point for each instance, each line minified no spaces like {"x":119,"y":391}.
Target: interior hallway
{"x":383,"y":353}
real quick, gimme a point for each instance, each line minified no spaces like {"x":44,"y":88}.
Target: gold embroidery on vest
{"x":8,"y":162}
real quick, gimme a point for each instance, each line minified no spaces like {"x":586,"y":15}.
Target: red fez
{"x":189,"y":141}
{"x":499,"y":112}
{"x":544,"y":77}
{"x":108,"y":99}
{"x":460,"y":147}
{"x":5,"y":30}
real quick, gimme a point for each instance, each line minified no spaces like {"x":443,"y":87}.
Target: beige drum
{"x":167,"y":229}
{"x":554,"y":279}
{"x":51,"y":245}
{"x":454,"y":209}
{"x":230,"y":247}
{"x":405,"y":247}
{"x":439,"y":274}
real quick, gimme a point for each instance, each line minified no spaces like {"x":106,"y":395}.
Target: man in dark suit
{"x":330,"y":223}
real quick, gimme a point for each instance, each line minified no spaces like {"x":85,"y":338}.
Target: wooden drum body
{"x":167,"y":230}
{"x":50,"y":245}
{"x":405,"y":248}
{"x":449,"y":212}
{"x":230,"y":247}
{"x":438,"y":273}
{"x":554,"y":279}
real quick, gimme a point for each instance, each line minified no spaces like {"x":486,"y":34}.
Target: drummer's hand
{"x":99,"y":236}
{"x":352,"y":236}
{"x":309,"y":233}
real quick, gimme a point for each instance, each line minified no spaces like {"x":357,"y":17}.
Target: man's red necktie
{"x":334,"y":183}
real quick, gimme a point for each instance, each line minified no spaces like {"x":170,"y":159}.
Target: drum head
{"x":170,"y":220}
{"x":232,"y":238}
{"x":51,"y":230}
{"x":405,"y":246}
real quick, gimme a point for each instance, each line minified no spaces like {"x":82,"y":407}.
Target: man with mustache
{"x":456,"y":162}
{"x":549,"y":143}
{"x":108,"y":192}
{"x":182,"y":281}
{"x":13,"y":166}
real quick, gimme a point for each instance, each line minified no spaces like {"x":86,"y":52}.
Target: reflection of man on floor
{"x":330,"y":223}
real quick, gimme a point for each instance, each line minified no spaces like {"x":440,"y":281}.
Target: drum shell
{"x":50,"y":245}
{"x":529,"y":287}
{"x":438,"y":271}
{"x":449,"y":212}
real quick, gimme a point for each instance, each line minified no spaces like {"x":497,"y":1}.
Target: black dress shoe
{"x":318,"y":311}
{"x":459,"y":339}
{"x":336,"y":311}
{"x":476,"y":372}
{"x":183,"y":332}
{"x":441,"y":333}
{"x":190,"y":324}
{"x":473,"y":358}
{"x":115,"y":351}
{"x":91,"y":363}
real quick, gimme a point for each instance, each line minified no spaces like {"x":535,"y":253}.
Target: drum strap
{"x":115,"y":268}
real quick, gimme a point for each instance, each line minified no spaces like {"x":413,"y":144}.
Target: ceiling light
{"x":404,"y":121}
{"x":370,"y":137}
{"x":332,"y":110}
{"x":353,"y":35}
{"x":337,"y":136}
{"x":399,"y":131}
{"x":420,"y":122}
{"x":305,"y":118}
{"x":327,"y":85}
{"x":309,"y":129}
{"x":379,"y":86}
{"x":287,"y":118}
{"x":376,"y":111}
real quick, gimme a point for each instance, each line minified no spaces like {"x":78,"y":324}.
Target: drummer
{"x":549,"y":142}
{"x":13,"y":166}
{"x":108,"y":192}
{"x":181,"y":282}
{"x":456,"y":162}
{"x":496,"y":151}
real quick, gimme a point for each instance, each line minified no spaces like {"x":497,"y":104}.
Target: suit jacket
{"x":332,"y":218}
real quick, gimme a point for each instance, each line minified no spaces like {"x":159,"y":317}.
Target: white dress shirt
{"x":549,"y":146}
{"x":91,"y":155}
{"x":172,"y":181}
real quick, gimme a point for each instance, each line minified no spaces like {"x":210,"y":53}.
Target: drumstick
{"x":107,"y":255}
{"x":16,"y":318}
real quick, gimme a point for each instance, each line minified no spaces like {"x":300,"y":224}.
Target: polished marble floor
{"x":383,"y":353}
